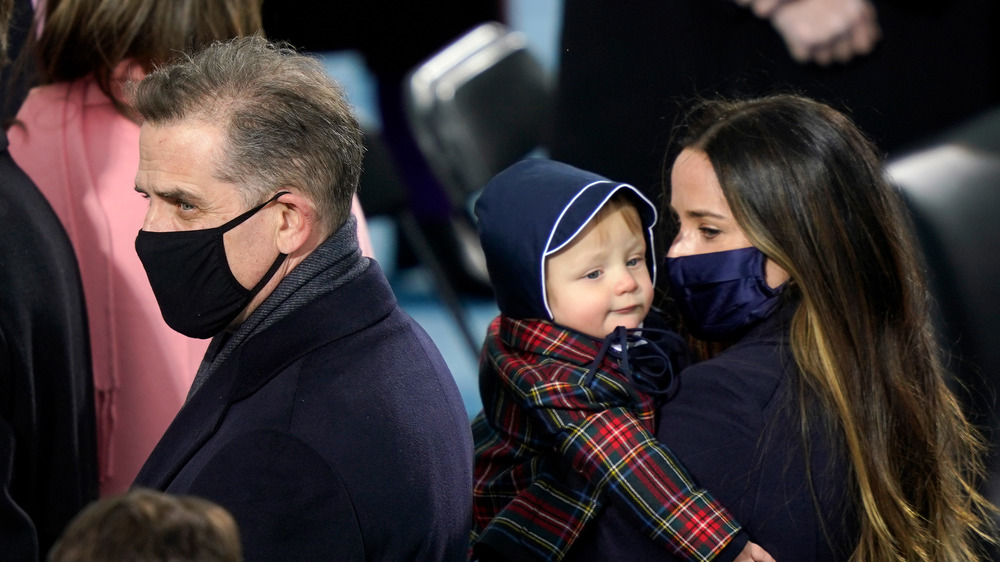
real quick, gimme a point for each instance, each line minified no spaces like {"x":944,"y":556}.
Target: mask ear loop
{"x":242,"y":218}
{"x":281,"y":257}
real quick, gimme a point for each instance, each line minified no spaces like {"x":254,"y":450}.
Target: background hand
{"x":762,"y":8}
{"x":825,"y":31}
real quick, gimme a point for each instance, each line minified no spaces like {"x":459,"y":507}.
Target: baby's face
{"x":601,"y":281}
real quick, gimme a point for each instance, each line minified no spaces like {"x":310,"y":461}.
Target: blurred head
{"x":77,"y":38}
{"x":600,"y":280}
{"x":6,"y":11}
{"x":150,"y":526}
{"x":275,"y":118}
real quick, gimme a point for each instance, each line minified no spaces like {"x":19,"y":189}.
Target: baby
{"x":572,"y":372}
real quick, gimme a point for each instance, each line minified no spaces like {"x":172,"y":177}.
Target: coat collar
{"x":362,"y":302}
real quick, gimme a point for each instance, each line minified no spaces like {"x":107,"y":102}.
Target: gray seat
{"x":952,"y":186}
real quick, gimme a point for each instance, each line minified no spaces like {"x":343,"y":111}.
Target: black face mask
{"x":191,"y":279}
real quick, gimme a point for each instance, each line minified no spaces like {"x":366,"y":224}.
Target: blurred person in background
{"x":149,"y":526}
{"x":902,"y":69}
{"x":78,"y":140}
{"x":48,"y":460}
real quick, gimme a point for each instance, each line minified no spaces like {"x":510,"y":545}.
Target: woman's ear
{"x":774,"y":274}
{"x":298,"y":223}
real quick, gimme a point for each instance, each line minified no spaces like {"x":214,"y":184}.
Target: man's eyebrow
{"x":172,"y":194}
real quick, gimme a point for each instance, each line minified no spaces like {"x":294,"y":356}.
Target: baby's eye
{"x":593,"y":275}
{"x":633,"y":262}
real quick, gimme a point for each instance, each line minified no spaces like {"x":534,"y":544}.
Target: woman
{"x":826,"y":425}
{"x":75,"y":138}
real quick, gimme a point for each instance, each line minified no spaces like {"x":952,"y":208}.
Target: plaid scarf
{"x":554,"y":442}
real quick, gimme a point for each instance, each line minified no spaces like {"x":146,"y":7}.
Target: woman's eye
{"x":709,"y":232}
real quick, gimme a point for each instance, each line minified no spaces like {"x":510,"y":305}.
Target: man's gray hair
{"x":286,"y":123}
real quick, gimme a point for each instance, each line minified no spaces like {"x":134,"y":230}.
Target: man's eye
{"x":185,"y":206}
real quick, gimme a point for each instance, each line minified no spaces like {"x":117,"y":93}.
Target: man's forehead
{"x":196,"y":134}
{"x":179,"y":160}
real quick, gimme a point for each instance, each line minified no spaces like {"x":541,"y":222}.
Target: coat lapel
{"x":364,"y":301}
{"x":196,"y":422}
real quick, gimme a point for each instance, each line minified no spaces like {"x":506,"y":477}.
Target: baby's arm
{"x":609,"y":446}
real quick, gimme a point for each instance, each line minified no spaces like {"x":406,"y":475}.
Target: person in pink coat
{"x":74,"y":137}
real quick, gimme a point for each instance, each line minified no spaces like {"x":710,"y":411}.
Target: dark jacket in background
{"x":48,"y":455}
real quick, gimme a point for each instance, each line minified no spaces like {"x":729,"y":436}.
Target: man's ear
{"x":298,"y":222}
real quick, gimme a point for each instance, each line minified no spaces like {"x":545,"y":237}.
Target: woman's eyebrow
{"x":700,"y":214}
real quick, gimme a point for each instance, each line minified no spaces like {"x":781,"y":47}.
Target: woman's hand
{"x":753,"y":553}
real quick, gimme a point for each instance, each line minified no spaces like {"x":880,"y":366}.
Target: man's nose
{"x":155,"y":219}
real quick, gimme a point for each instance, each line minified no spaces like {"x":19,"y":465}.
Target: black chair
{"x":952,"y":187}
{"x":383,"y":192}
{"x":477,"y":106}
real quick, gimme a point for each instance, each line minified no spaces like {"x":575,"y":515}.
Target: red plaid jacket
{"x":551,"y":448}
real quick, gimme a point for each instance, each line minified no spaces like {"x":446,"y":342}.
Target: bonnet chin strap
{"x":645,"y":355}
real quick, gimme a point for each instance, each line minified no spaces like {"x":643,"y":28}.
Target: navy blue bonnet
{"x":530,"y":211}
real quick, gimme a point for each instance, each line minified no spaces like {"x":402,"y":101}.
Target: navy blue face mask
{"x":721,"y":294}
{"x":191,"y":279}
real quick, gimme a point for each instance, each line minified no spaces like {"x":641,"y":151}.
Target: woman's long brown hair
{"x":808,"y":190}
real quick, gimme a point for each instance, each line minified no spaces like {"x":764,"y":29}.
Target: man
{"x":48,"y":455}
{"x":322,"y":417}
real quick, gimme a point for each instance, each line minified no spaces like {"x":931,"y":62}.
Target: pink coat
{"x":83,"y":155}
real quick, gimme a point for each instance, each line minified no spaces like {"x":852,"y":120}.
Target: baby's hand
{"x":753,"y":553}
